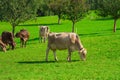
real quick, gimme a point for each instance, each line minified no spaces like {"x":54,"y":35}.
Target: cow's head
{"x":44,"y":29}
{"x":4,"y":49}
{"x":83,"y":53}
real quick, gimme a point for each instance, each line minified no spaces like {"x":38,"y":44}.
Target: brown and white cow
{"x":62,"y":41}
{"x":2,"y":45}
{"x":43,"y":33}
{"x":24,"y":36}
{"x":8,"y":39}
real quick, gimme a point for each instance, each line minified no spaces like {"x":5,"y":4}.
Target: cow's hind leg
{"x":41,"y":39}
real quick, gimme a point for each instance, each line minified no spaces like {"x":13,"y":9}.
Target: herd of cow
{"x":56,"y":41}
{"x":7,"y":38}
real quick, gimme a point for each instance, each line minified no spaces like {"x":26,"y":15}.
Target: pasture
{"x":103,"y":57}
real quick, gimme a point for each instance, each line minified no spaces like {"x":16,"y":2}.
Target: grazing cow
{"x":7,"y":39}
{"x":43,"y":33}
{"x":62,"y":41}
{"x":2,"y":45}
{"x":24,"y":36}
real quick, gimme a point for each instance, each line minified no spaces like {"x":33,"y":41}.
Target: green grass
{"x":103,"y":58}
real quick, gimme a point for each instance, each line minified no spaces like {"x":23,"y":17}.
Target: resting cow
{"x":2,"y":45}
{"x":62,"y":41}
{"x":24,"y":36}
{"x":7,"y":39}
{"x":43,"y":33}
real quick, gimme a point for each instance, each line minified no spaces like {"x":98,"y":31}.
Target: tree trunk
{"x":13,"y":30}
{"x":58,"y":19}
{"x":73,"y":27}
{"x":114,"y":29}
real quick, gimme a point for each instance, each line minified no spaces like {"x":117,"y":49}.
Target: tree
{"x":58,"y":7}
{"x":93,"y":4}
{"x":17,"y":11}
{"x":111,"y":8}
{"x":44,"y":9}
{"x":76,"y":11}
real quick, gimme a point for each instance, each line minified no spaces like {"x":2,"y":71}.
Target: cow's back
{"x":24,"y":33}
{"x":7,"y":37}
{"x":59,"y":40}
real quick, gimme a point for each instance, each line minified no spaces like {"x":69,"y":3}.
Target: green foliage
{"x":94,"y":4}
{"x":43,"y":9}
{"x":58,"y":7}
{"x":76,"y":10}
{"x":17,"y":11}
{"x":111,"y":8}
{"x":103,"y":57}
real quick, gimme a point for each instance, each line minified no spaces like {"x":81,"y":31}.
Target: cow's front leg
{"x":55,"y":57}
{"x":22,"y":43}
{"x":44,"y":39}
{"x":47,"y":52}
{"x":69,"y":55}
{"x":40,"y":39}
{"x":25,"y":43}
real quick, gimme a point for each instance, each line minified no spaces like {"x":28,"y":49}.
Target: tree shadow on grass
{"x":34,"y":39}
{"x":28,"y":25}
{"x":118,"y":29}
{"x":103,"y":19}
{"x":90,"y":34}
{"x":112,"y":29}
{"x":44,"y":62}
{"x":30,"y":41}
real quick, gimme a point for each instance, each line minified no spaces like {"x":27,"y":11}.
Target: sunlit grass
{"x":29,"y":63}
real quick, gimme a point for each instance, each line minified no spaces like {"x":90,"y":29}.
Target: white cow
{"x":43,"y":33}
{"x":62,"y":41}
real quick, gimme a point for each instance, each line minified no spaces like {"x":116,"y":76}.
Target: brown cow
{"x":43,"y":33}
{"x":62,"y":41}
{"x":7,"y":39}
{"x":24,"y":36}
{"x":2,"y":45}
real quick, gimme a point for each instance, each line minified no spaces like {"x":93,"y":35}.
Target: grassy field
{"x":103,"y":58}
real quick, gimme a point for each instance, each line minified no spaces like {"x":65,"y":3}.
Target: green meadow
{"x":97,"y":36}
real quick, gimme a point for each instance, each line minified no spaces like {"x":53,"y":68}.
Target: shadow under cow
{"x":42,"y":62}
{"x":35,"y":62}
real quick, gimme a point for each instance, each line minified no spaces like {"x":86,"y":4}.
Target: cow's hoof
{"x":56,"y":59}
